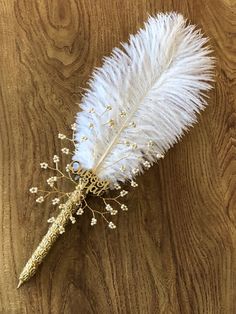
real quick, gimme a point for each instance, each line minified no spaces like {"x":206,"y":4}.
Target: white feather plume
{"x":143,"y":98}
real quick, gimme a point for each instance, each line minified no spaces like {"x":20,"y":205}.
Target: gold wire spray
{"x":88,"y":183}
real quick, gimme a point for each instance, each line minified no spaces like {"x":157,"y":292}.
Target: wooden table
{"x":174,"y":251}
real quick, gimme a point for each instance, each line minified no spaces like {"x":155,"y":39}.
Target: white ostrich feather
{"x":143,"y":98}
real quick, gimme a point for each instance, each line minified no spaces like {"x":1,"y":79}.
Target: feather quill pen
{"x":139,"y":103}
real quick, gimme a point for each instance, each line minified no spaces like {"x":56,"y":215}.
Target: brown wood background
{"x":174,"y":251}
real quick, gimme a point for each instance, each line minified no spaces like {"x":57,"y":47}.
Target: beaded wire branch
{"x":74,"y":203}
{"x":72,"y":173}
{"x":138,"y":105}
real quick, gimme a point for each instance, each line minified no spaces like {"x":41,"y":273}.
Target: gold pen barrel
{"x":51,"y":236}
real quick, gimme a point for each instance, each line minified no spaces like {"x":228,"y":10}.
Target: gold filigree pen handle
{"x":53,"y":233}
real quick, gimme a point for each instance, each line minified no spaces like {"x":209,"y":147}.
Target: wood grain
{"x":174,"y":251}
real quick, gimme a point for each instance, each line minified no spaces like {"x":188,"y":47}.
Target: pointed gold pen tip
{"x":19,"y":284}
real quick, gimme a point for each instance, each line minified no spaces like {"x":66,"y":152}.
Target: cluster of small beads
{"x":111,"y":225}
{"x":111,"y":210}
{"x":72,"y":219}
{"x":80,"y":212}
{"x":93,"y":221}
{"x":147,"y":164}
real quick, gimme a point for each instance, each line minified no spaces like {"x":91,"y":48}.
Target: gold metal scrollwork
{"x":92,"y":183}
